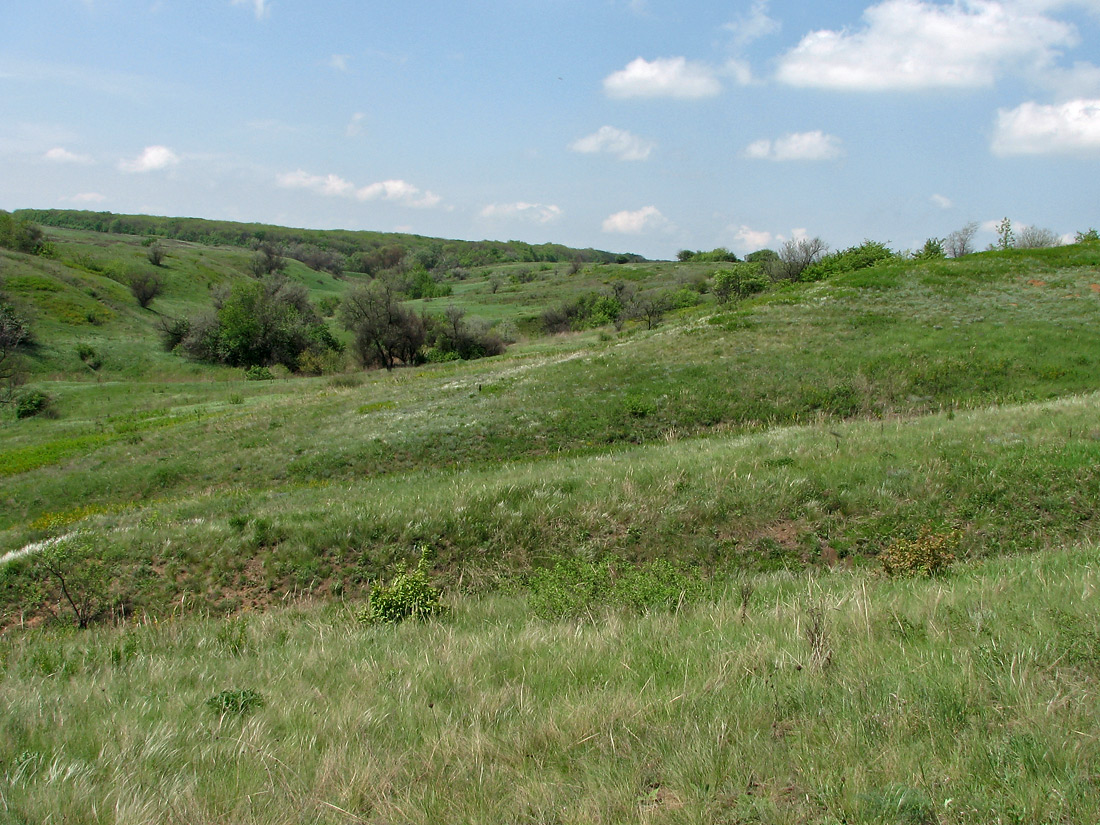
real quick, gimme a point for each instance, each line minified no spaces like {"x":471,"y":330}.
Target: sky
{"x":643,"y":126}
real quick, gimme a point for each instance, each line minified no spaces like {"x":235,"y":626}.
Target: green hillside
{"x":662,"y":541}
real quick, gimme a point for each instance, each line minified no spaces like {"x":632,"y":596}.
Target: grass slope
{"x":845,"y":698}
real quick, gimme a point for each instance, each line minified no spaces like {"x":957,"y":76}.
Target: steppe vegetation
{"x":805,"y":538}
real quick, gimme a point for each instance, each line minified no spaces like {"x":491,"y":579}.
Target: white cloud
{"x":539,"y":213}
{"x":814,"y":145}
{"x":331,"y":185}
{"x":400,"y":191}
{"x":941,"y":201}
{"x":914,"y":44}
{"x":1035,"y":129}
{"x":339,"y":62}
{"x":753,"y":26}
{"x":152,"y":159}
{"x":750,"y":240}
{"x":259,"y":7}
{"x":334,"y":186}
{"x":622,"y":144}
{"x":62,"y":155}
{"x":355,"y":125}
{"x":663,"y":77}
{"x":87,"y":197}
{"x":634,"y":223}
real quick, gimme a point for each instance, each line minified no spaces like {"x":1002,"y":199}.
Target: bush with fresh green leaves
{"x":31,"y":403}
{"x":257,"y":323}
{"x":409,"y":595}
{"x":865,"y":255}
{"x":258,"y":373}
{"x":741,"y":282}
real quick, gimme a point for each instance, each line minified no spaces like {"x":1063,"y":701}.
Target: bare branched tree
{"x":794,"y":256}
{"x":961,"y":241}
{"x":1034,"y":237}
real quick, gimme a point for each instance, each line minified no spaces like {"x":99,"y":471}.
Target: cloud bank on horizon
{"x":657,"y":125}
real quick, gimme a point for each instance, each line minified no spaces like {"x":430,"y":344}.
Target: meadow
{"x":772,"y":451}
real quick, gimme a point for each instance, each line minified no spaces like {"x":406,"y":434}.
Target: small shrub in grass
{"x":235,"y":702}
{"x":927,"y":555}
{"x":31,"y":403}
{"x":407,"y":596}
{"x":89,"y":356}
{"x":258,"y":373}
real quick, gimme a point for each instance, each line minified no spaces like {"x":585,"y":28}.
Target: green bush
{"x":258,"y":373}
{"x":927,"y":555}
{"x":31,"y":403}
{"x":407,"y":596}
{"x":87,"y":354}
{"x":866,"y":254}
{"x":738,"y":283}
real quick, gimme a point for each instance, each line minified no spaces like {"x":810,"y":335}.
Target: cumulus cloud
{"x":664,"y":77}
{"x":913,"y":44}
{"x":539,"y":213}
{"x":61,"y":155}
{"x":259,"y":7}
{"x":752,"y":26}
{"x":814,"y":145}
{"x":335,"y":186}
{"x":398,"y":190}
{"x":1035,"y":129}
{"x":942,"y":201}
{"x":634,"y":223}
{"x":330,"y":185}
{"x":152,"y":159}
{"x":748,"y":239}
{"x":617,"y":142}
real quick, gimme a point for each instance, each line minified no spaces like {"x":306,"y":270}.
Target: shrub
{"x":155,"y":253}
{"x":87,"y":354}
{"x":927,"y":555}
{"x":82,"y":573}
{"x":145,"y":286}
{"x":258,"y":373}
{"x":738,"y":283}
{"x":865,"y":255}
{"x":31,"y":403}
{"x":407,"y":596}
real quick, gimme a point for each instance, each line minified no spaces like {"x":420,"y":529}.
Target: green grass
{"x":842,"y":697}
{"x":705,"y":502}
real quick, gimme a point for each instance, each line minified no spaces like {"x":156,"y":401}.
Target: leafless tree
{"x":794,"y":256}
{"x":961,"y":241}
{"x":1034,"y":237}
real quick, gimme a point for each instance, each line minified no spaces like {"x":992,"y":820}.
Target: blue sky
{"x":630,"y":125}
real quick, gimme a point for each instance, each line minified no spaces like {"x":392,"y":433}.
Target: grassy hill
{"x":773,"y":450}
